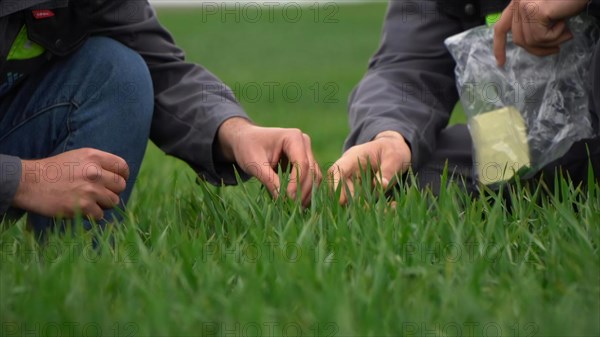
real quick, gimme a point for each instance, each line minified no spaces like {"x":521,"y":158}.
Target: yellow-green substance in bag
{"x":500,"y":141}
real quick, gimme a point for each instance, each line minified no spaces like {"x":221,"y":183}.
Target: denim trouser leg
{"x":99,"y":97}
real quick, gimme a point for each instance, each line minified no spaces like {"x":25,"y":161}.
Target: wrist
{"x":398,"y":141}
{"x":22,"y":194}
{"x":389,"y":134}
{"x":229,"y":134}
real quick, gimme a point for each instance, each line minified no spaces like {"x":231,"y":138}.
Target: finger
{"x":294,"y":149}
{"x":314,"y":165}
{"x":97,"y":213}
{"x":346,"y":168}
{"x":336,"y":179}
{"x":562,"y":33}
{"x":501,"y":29}
{"x":354,"y":160}
{"x":266,"y":175}
{"x":300,"y":183}
{"x":113,"y":163}
{"x":556,"y":34}
{"x":114,"y":182}
{"x":545,"y":34}
{"x":388,"y":169}
{"x":547,"y":43}
{"x":529,"y":30}
{"x":92,"y":210}
{"x":347,"y":191}
{"x":523,"y":35}
{"x":108,"y":200}
{"x":517,"y":25}
{"x":554,"y":37}
{"x":333,"y":176}
{"x":314,"y":175}
{"x":351,"y":166}
{"x":350,"y":191}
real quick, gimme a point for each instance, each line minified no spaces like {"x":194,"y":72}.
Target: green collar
{"x":491,"y":19}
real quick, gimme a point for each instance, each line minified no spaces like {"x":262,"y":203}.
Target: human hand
{"x":86,"y":180}
{"x":387,"y":154}
{"x":258,"y":151}
{"x":538,"y":26}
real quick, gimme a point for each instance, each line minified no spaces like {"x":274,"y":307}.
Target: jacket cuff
{"x":218,"y":171}
{"x":10,"y":176}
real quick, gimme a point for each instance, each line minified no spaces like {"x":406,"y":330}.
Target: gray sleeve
{"x":190,"y":102}
{"x":409,"y":86}
{"x":593,"y":8}
{"x":10,"y":175}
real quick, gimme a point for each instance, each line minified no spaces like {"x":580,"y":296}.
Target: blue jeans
{"x":100,"y":97}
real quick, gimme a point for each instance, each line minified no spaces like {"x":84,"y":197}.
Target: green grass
{"x":192,"y":259}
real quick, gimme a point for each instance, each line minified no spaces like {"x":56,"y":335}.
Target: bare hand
{"x":85,"y":180}
{"x":258,"y":151}
{"x":538,"y":26}
{"x":387,"y":154}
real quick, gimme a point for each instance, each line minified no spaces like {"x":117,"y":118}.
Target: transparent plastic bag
{"x":529,"y":113}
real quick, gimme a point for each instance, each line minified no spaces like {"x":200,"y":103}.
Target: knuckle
{"x":88,"y":189}
{"x":86,"y":206}
{"x":318,"y":177}
{"x":297,"y":133}
{"x":91,"y":154}
{"x":543,"y":11}
{"x":333,"y":168}
{"x":331,"y":171}
{"x":316,"y":170}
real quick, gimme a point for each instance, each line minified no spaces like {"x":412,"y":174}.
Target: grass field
{"x":194,"y":260}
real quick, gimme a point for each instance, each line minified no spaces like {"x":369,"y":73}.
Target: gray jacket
{"x":190,"y":102}
{"x":410,"y":84}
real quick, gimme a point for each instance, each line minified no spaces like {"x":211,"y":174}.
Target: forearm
{"x":410,"y":86}
{"x":191,"y":103}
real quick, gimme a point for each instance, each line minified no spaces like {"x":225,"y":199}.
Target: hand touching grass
{"x":387,"y":155}
{"x":259,"y":150}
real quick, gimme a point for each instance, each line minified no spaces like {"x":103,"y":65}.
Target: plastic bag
{"x":529,"y":113}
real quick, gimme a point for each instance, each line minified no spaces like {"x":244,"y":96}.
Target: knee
{"x":122,"y":78}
